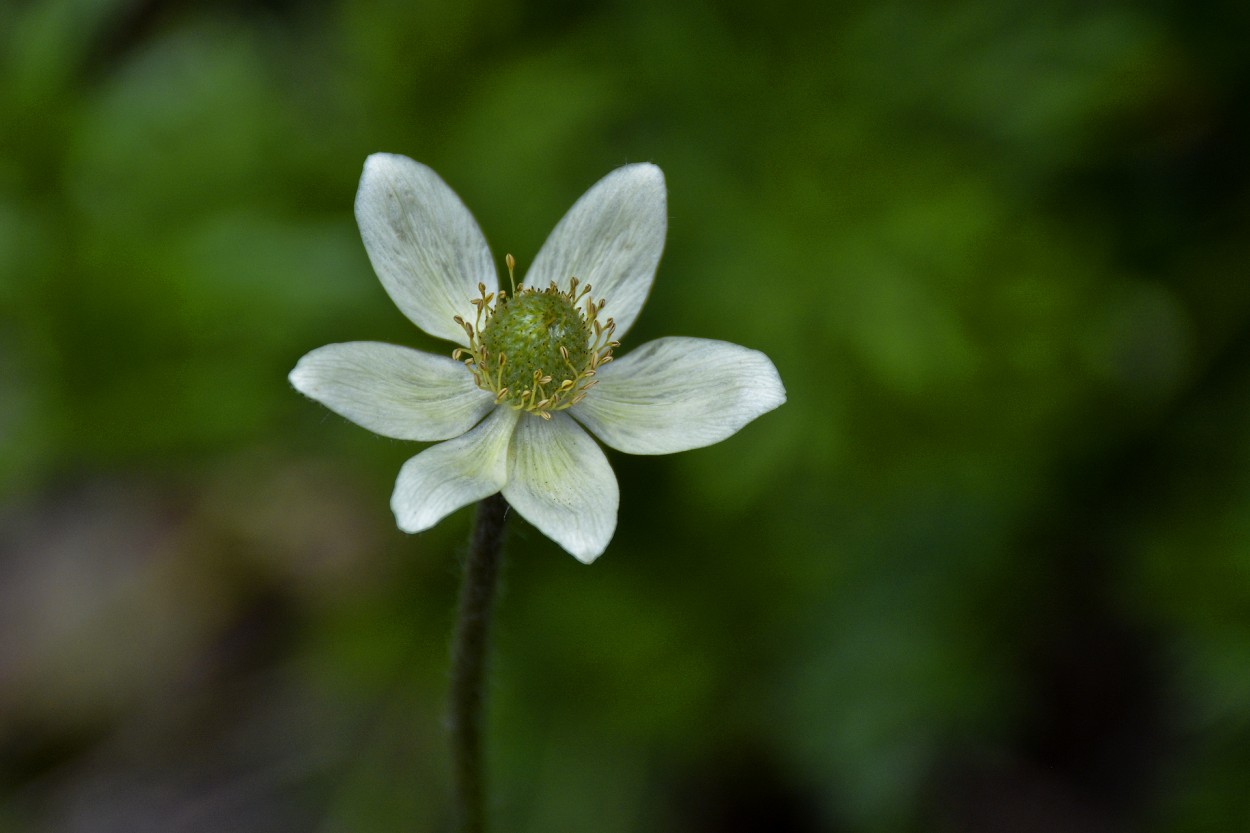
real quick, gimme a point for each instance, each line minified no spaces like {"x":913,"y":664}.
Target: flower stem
{"x":468,"y":662}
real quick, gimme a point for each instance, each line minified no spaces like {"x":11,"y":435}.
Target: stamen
{"x":556,"y":338}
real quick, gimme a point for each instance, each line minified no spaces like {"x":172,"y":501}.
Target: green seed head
{"x":537,"y":350}
{"x":537,"y":333}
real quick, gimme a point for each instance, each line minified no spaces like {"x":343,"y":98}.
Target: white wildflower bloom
{"x":534,"y":367}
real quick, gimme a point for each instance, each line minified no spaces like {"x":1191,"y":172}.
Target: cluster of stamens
{"x":537,"y":350}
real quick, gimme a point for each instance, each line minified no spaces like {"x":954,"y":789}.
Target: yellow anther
{"x":557,"y":379}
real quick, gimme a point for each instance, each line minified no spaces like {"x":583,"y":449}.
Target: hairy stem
{"x":468,"y":663}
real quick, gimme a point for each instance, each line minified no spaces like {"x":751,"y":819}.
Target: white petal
{"x":612,"y":239}
{"x":560,"y":481}
{"x":674,"y":394}
{"x":393,"y":391}
{"x":444,"y":477}
{"x":424,"y":244}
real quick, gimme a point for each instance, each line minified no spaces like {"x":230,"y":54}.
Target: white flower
{"x":531,"y":364}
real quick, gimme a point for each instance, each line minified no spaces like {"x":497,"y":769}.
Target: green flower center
{"x":537,"y":350}
{"x":540,"y":333}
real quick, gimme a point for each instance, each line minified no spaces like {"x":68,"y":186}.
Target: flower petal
{"x":424,"y":244}
{"x":674,"y":394}
{"x":393,"y":391}
{"x":612,"y":239}
{"x":560,"y":481}
{"x":444,"y":477}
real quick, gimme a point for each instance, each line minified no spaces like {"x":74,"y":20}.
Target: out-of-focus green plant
{"x":993,"y":249}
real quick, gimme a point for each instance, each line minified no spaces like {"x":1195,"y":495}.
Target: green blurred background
{"x":987,"y":570}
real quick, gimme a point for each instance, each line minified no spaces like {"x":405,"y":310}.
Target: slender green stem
{"x":468,"y":663}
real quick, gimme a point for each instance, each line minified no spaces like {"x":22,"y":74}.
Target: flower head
{"x":533,"y":365}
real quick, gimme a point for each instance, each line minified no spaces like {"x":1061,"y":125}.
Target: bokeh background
{"x":987,"y":570}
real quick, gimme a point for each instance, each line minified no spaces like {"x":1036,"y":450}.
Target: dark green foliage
{"x":989,"y":566}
